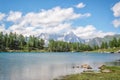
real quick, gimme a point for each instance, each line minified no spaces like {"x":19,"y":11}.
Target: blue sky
{"x":95,"y":16}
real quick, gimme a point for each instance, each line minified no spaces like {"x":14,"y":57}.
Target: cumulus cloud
{"x":14,"y":16}
{"x":116,"y":9}
{"x":80,"y":5}
{"x":116,"y":13}
{"x":52,"y":17}
{"x":89,"y":32}
{"x":2,"y":16}
{"x":116,"y":23}
{"x":30,"y":30}
{"x":54,"y":20}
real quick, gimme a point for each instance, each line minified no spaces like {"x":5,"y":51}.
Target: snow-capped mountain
{"x":68,"y":37}
{"x":47,"y":36}
{"x":71,"y":37}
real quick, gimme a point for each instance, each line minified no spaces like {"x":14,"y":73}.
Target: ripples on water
{"x":46,"y":66}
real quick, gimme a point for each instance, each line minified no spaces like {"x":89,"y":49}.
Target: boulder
{"x":89,"y":67}
{"x":101,"y":67}
{"x":86,"y":66}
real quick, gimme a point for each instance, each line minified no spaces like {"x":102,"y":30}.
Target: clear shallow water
{"x":46,"y":66}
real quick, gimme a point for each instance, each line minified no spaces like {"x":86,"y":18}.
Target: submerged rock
{"x":75,"y":66}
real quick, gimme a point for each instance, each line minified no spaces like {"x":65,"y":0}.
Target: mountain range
{"x":71,"y":37}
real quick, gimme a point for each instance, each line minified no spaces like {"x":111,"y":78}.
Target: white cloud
{"x":116,"y":9}
{"x":52,"y":17}
{"x":89,"y":32}
{"x":2,"y":28}
{"x":80,"y":5}
{"x":116,"y":23}
{"x":54,"y":20}
{"x":37,"y":30}
{"x":2,"y":16}
{"x":14,"y":16}
{"x":85,"y":15}
{"x":116,"y":12}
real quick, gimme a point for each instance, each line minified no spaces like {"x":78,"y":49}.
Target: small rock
{"x":112,"y":52}
{"x":73,"y":66}
{"x":89,"y":67}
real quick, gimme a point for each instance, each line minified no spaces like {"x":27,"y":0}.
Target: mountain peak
{"x":68,"y":37}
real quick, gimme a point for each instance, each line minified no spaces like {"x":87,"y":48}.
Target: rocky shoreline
{"x":105,"y":73}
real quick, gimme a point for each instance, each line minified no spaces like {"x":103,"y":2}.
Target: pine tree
{"x":119,"y":42}
{"x":115,"y":42}
{"x":1,"y":42}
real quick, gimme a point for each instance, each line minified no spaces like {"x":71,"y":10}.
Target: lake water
{"x":46,"y":66}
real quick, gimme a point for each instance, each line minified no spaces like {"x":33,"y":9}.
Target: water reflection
{"x":35,"y":72}
{"x":48,"y":66}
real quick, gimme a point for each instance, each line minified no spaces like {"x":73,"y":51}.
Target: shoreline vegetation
{"x":105,"y":73}
{"x":13,"y":42}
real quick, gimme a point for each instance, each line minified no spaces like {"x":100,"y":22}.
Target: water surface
{"x":46,"y":66}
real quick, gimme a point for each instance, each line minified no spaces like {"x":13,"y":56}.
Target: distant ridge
{"x":71,"y":37}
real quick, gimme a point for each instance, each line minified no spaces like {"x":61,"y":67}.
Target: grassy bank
{"x":114,"y":74}
{"x":46,"y":50}
{"x":26,"y":51}
{"x":107,"y":50}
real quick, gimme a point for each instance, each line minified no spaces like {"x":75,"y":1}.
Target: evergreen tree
{"x":115,"y":43}
{"x":104,"y":45}
{"x":2,"y":47}
{"x":119,"y":42}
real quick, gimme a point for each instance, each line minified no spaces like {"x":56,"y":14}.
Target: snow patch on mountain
{"x":67,"y":37}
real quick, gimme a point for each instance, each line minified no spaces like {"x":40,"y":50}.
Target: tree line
{"x":61,"y":46}
{"x":13,"y":41}
{"x":114,"y":43}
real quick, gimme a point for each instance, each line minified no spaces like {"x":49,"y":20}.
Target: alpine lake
{"x":47,"y":66}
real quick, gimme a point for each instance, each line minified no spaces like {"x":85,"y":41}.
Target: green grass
{"x":27,"y":50}
{"x":107,"y":50}
{"x":45,"y":50}
{"x":113,"y":75}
